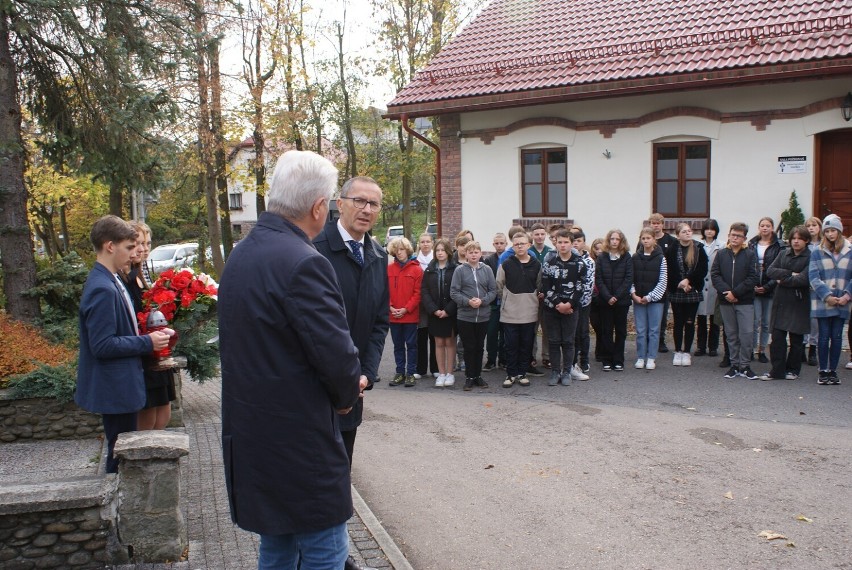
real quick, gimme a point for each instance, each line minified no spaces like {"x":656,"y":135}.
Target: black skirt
{"x":159,"y":388}
{"x":442,"y":328}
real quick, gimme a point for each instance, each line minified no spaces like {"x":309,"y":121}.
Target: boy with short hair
{"x":540,"y":250}
{"x":734,"y":275}
{"x":582,"y":342}
{"x":517,"y":281}
{"x":110,"y":381}
{"x":563,"y":279}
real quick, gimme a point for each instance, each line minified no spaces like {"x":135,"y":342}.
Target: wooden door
{"x":834,"y":176}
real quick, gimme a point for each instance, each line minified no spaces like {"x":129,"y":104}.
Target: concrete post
{"x":150,"y":523}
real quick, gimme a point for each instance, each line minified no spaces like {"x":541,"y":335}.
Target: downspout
{"x":438,"y":216}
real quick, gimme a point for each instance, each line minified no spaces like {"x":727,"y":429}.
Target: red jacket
{"x":404,"y":285}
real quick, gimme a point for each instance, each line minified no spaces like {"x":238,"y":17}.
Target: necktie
{"x":356,"y":251}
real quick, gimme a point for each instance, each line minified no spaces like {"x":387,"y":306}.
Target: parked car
{"x":432,"y":230}
{"x":172,"y":255}
{"x":393,"y":232}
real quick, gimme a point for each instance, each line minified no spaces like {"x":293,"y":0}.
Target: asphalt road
{"x":672,"y":468}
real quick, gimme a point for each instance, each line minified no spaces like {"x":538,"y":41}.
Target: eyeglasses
{"x":361,"y":203}
{"x":738,"y":236}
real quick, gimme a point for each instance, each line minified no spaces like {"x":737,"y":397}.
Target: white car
{"x":394,"y":232}
{"x":172,"y":256}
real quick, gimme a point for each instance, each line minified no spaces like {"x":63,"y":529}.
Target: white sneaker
{"x":849,"y":365}
{"x":640,"y":364}
{"x":439,"y":381}
{"x":436,"y":374}
{"x":578,"y":374}
{"x":677,"y":360}
{"x":417,"y":376}
{"x":449,"y":380}
{"x":650,"y":364}
{"x":685,"y":359}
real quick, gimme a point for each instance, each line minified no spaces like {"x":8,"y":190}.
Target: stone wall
{"x":62,"y":524}
{"x":44,"y":418}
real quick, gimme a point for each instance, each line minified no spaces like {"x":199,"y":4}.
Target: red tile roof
{"x":587,"y":45}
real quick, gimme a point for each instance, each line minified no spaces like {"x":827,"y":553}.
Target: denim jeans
{"x":404,"y":336}
{"x":830,"y":341}
{"x":762,"y":314}
{"x":325,"y":549}
{"x":647,"y":318}
{"x":518,"y":340}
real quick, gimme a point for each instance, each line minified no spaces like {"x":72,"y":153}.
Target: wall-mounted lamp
{"x":846,"y":107}
{"x":607,"y":155}
{"x":458,"y":134}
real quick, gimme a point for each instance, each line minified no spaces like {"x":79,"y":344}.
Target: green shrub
{"x":46,"y":381}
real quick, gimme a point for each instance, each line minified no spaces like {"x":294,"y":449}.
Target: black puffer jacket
{"x":769,"y":256}
{"x":614,"y":278}
{"x":646,"y":271}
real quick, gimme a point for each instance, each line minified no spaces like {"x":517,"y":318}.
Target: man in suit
{"x":109,"y":372}
{"x":289,"y":372}
{"x":361,"y":268}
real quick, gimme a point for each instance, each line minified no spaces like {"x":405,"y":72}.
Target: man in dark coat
{"x":289,"y":371}
{"x":363,"y":280}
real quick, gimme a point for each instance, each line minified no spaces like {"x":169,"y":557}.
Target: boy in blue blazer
{"x":109,"y":372}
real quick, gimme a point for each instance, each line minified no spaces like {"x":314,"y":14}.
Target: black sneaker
{"x":607,"y":368}
{"x":812,"y":356}
{"x":410,"y":381}
{"x":480,"y":382}
{"x":762,"y":358}
{"x":747,"y":373}
{"x":700,"y":352}
{"x":823,"y":377}
{"x":663,"y":348}
{"x":468,"y":384}
{"x":712,"y":352}
{"x":833,"y":378}
{"x":732,"y":373}
{"x":398,"y":380}
{"x":584,"y":366}
{"x":489,"y":366}
{"x":618,"y":367}
{"x":533,"y":371}
{"x":726,"y":362}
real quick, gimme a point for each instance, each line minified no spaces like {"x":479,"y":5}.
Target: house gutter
{"x":438,"y":216}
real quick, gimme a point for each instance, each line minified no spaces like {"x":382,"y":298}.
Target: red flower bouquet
{"x":188,"y":303}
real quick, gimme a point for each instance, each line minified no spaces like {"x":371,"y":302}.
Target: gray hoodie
{"x":469,"y":282}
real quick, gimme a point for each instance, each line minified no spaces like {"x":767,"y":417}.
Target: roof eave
{"x":619,"y":88}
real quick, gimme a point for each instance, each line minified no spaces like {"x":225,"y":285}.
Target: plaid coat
{"x":830,"y":275}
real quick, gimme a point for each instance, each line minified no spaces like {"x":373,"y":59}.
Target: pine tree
{"x":792,"y":216}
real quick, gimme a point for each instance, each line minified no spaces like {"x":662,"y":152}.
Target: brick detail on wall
{"x":451,"y":190}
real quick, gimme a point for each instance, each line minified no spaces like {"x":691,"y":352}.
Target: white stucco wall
{"x":605,"y":193}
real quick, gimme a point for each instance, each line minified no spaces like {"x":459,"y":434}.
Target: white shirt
{"x":346,"y":237}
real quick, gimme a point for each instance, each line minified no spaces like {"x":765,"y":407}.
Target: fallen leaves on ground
{"x":803,"y":518}
{"x":772,"y":535}
{"x":729,"y":495}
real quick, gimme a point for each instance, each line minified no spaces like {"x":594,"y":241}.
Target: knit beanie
{"x":832,"y":221}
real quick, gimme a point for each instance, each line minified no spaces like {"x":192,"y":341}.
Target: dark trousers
{"x":581,"y":338}
{"x":706,"y":342}
{"x":664,"y":322}
{"x":115,"y":424}
{"x":404,"y":336}
{"x":561,"y":330}
{"x":472,"y":336}
{"x":595,"y":323}
{"x":684,"y":325}
{"x":782,"y":362}
{"x":614,"y":332}
{"x":495,"y":343}
{"x":349,"y":443}
{"x":424,"y":340}
{"x":518,"y":342}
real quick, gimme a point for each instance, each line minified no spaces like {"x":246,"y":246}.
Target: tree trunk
{"x":207,"y":171}
{"x":16,"y":242}
{"x":352,"y":158}
{"x":406,"y":146}
{"x":219,"y":153}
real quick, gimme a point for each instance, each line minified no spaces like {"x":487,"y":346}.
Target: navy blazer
{"x":367,"y":302}
{"x":109,"y":373}
{"x":288,"y":364}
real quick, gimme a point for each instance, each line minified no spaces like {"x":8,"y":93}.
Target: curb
{"x":381,"y":536}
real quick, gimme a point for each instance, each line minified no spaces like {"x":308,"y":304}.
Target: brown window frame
{"x":682,"y":180}
{"x":544,"y":184}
